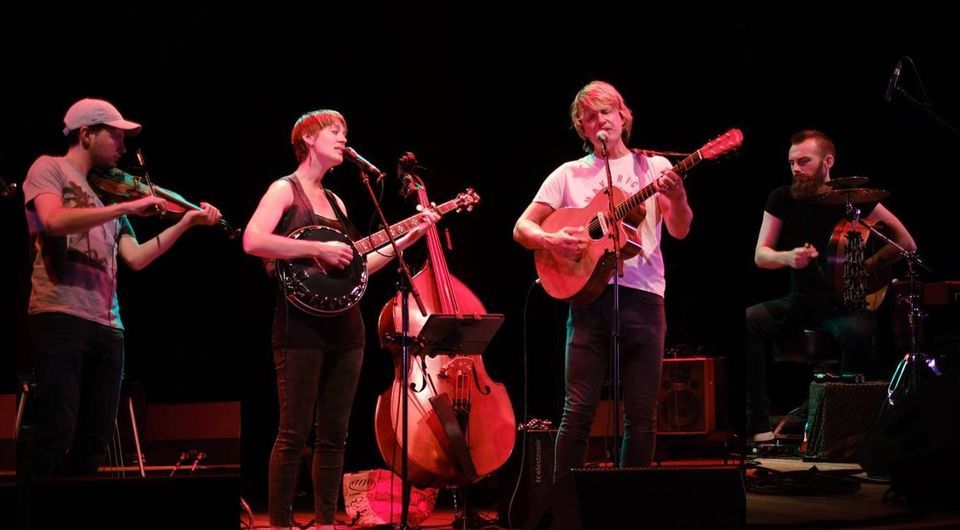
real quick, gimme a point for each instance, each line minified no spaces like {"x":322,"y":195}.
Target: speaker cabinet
{"x":661,"y":498}
{"x":531,"y":473}
{"x":839,"y":416}
{"x":915,"y":444}
{"x":210,"y":428}
{"x":687,"y":400}
{"x":8,"y":420}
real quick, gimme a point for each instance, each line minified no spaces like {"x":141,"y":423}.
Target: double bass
{"x":461,"y":424}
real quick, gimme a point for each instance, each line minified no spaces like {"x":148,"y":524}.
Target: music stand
{"x":468,"y":334}
{"x":463,"y":334}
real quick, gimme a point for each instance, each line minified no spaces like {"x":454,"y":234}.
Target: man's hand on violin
{"x":146,"y":206}
{"x":208,"y":215}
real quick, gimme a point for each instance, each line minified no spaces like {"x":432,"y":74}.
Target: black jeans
{"x":308,"y":380}
{"x":642,"y":328}
{"x":79,"y":368}
{"x":770,"y":322}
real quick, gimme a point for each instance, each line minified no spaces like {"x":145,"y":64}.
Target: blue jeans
{"x":642,"y":329}
{"x":79,"y":368}
{"x":314,"y":387}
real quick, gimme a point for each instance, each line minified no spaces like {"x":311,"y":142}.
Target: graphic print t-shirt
{"x":74,"y":274}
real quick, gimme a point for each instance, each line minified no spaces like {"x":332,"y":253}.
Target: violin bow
{"x":146,"y":177}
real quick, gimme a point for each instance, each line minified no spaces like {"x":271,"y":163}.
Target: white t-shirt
{"x":576,"y":183}
{"x":74,"y":274}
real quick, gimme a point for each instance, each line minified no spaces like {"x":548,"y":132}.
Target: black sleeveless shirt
{"x":292,"y":327}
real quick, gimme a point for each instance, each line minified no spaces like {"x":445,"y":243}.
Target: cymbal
{"x":852,"y":195}
{"x":847,"y":182}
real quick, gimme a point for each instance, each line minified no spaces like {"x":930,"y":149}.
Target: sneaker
{"x":762,"y":437}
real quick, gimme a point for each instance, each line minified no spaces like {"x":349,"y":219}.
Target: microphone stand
{"x":405,"y":288}
{"x":924,"y":106}
{"x":618,"y":273}
{"x":928,"y":109}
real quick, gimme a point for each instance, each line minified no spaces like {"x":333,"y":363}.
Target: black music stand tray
{"x":464,"y":335}
{"x":469,"y":334}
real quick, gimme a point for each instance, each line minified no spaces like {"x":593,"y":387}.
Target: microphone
{"x":362,"y":163}
{"x":894,"y":81}
{"x":602,"y":138}
{"x":7,"y":188}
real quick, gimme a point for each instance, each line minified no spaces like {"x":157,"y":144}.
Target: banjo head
{"x":318,"y":289}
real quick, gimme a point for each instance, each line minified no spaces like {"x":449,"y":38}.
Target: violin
{"x":115,"y":185}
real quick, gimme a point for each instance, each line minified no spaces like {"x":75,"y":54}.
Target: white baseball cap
{"x":95,"y":112}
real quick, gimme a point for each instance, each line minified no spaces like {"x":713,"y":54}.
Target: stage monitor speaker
{"x":915,"y":444}
{"x":688,"y":394}
{"x":209,"y":501}
{"x":663,"y":498}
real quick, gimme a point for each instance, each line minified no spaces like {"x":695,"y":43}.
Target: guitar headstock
{"x":724,"y":143}
{"x":467,"y":199}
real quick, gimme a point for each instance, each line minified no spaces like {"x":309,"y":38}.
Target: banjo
{"x":326,"y":291}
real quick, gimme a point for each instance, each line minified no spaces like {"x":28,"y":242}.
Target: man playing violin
{"x":793,"y":234}
{"x":75,"y":327}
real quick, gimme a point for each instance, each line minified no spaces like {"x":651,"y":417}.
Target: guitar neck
{"x":648,"y":191}
{"x":379,"y":239}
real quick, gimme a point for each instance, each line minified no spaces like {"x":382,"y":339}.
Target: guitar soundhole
{"x":595,"y":231}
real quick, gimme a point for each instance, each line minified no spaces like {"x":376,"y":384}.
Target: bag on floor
{"x":373,"y":498}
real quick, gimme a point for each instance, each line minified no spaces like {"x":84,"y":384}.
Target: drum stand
{"x":916,"y":366}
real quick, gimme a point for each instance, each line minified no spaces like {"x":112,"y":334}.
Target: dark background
{"x":482,"y":99}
